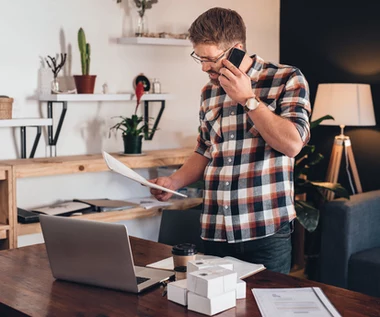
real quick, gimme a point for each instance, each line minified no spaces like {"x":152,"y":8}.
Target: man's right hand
{"x":159,"y":194}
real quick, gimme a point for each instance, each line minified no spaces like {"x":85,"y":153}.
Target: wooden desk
{"x":28,"y":289}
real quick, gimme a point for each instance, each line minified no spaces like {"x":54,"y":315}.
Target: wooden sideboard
{"x":12,"y":170}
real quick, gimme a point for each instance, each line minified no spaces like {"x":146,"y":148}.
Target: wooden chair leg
{"x":354,"y":169}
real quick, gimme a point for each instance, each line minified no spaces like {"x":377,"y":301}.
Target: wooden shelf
{"x":11,"y":170}
{"x":112,"y":216}
{"x":39,"y":167}
{"x":3,"y":175}
{"x":153,"y":41}
{"x":3,"y":231}
{"x":25,"y":122}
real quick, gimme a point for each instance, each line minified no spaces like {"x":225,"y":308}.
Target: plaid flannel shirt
{"x":249,"y":188}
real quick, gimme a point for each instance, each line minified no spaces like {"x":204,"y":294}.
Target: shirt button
{"x":227,"y":183}
{"x":229,"y":160}
{"x":231,"y":136}
{"x":225,"y":207}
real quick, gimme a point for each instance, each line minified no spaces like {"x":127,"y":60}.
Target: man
{"x":253,"y":121}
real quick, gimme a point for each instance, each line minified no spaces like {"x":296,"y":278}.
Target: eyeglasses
{"x":209,"y":60}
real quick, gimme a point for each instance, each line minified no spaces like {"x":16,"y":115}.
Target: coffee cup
{"x":182,"y":253}
{"x":180,"y":272}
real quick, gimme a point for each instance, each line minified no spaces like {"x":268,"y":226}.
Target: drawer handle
{"x":81,"y":168}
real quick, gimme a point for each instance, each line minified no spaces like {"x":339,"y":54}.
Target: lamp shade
{"x":349,"y":104}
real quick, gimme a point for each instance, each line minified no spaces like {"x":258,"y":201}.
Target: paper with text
{"x":303,"y":301}
{"x":118,"y":167}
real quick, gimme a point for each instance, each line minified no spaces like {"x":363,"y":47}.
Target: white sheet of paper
{"x":303,"y":301}
{"x":118,"y":167}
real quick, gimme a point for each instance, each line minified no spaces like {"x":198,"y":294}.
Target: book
{"x":118,"y":167}
{"x":106,"y":204}
{"x":26,"y":216}
{"x":303,"y":301}
{"x":243,"y":268}
{"x":63,"y":209}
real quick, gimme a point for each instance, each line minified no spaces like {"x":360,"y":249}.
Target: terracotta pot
{"x":132,"y":144}
{"x":85,"y":83}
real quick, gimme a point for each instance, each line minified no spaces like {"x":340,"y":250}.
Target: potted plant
{"x":55,"y":67}
{"x":307,"y":209}
{"x":133,"y":128}
{"x":309,"y":197}
{"x":85,"y":83}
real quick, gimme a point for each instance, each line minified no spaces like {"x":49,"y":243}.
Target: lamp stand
{"x":342,"y":142}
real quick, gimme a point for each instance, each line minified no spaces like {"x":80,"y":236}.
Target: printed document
{"x":118,"y":167}
{"x":289,"y":302}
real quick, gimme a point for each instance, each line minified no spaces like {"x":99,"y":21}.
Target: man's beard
{"x":214,"y":81}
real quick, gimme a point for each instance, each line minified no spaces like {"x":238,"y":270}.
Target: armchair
{"x":350,"y":243}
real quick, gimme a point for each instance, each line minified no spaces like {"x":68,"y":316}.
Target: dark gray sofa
{"x":350,"y":243}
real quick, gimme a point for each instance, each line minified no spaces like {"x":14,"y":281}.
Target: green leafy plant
{"x":134,"y":125}
{"x":307,"y":210}
{"x":142,"y":5}
{"x":85,"y":52}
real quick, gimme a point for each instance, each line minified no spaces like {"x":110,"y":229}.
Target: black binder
{"x":26,"y":216}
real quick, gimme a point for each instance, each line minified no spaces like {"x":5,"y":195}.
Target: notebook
{"x":95,"y":253}
{"x":63,"y":209}
{"x":243,"y":268}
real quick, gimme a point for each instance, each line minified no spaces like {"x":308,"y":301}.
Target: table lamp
{"x":350,"y":105}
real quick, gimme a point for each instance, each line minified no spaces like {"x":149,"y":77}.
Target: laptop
{"x":95,"y":253}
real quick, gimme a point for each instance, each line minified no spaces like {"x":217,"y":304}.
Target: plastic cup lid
{"x":184,"y":249}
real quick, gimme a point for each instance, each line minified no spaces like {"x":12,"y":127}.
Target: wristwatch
{"x":252,"y":104}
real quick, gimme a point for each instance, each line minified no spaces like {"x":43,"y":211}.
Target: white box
{"x":177,"y":292}
{"x":241,"y":289}
{"x":196,"y":265}
{"x":211,"y":306}
{"x":211,"y":282}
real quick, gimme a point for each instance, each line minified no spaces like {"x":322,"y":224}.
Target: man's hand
{"x":235,"y":83}
{"x":166,"y":182}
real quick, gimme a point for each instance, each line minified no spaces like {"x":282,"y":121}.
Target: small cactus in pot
{"x":85,"y":52}
{"x":85,"y":83}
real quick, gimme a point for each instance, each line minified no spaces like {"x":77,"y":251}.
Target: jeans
{"x":273,"y":251}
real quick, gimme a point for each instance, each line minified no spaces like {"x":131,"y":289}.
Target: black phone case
{"x":236,"y":56}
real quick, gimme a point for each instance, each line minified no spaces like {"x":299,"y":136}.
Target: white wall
{"x":33,"y":29}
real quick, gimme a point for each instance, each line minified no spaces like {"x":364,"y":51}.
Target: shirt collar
{"x":256,"y":67}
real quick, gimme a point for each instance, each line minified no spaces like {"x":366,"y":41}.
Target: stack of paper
{"x":148,"y":202}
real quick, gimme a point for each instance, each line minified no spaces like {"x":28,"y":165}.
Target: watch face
{"x":144,"y":80}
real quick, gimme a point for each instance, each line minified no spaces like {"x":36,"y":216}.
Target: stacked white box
{"x":211,"y":306}
{"x":211,"y":282}
{"x":177,"y":292}
{"x":201,"y":264}
{"x":211,"y":290}
{"x":241,"y":289}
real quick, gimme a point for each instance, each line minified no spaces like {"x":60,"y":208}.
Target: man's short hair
{"x":218,"y":26}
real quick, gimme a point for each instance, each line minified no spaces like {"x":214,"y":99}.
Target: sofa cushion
{"x":364,"y":272}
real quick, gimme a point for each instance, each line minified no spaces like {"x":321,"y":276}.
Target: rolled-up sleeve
{"x":203,"y":140}
{"x":295,"y":104}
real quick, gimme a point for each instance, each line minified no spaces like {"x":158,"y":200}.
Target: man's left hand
{"x":235,"y":83}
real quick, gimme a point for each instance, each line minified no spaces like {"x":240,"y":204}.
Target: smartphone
{"x":236,"y":56}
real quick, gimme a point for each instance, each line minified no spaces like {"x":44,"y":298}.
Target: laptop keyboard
{"x":140,"y":279}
